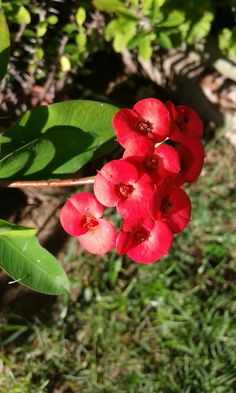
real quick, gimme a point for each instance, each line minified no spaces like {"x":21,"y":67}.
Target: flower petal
{"x":87,"y":203}
{"x":124,"y":124}
{"x":120,"y":171}
{"x":170,"y":158}
{"x":105,"y":191}
{"x":137,"y":205}
{"x":192,"y":158}
{"x":101,"y":240}
{"x":75,"y":208}
{"x":70,"y":219}
{"x":156,"y":113}
{"x":185,"y":123}
{"x":155,"y":247}
{"x":178,"y":207}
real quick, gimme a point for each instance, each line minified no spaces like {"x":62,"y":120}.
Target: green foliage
{"x":130,"y":328}
{"x":167,"y":23}
{"x":17,"y":12}
{"x":201,"y":28}
{"x":121,"y":30}
{"x":36,"y":146}
{"x":108,"y":6}
{"x":4,"y":45}
{"x":30,"y":264}
{"x":13,"y":230}
{"x":227,"y":41}
{"x":140,"y":26}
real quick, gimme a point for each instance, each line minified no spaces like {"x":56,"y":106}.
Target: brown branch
{"x":47,"y":183}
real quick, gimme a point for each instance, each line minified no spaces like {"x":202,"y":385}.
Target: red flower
{"x":158,"y":162}
{"x":147,"y":121}
{"x":81,"y":217}
{"x":172,"y":205}
{"x":191,"y":155}
{"x":144,"y":240}
{"x":119,"y":184}
{"x":185,"y":123}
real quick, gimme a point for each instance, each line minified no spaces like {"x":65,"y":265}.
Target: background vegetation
{"x":167,"y":327}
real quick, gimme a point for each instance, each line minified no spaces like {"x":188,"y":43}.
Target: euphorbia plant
{"x":145,"y":184}
{"x":162,"y":151}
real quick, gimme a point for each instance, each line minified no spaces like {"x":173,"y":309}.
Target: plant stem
{"x":47,"y":183}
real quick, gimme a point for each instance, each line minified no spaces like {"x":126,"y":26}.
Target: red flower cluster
{"x":144,"y":185}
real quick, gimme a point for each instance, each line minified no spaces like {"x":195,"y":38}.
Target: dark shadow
{"x":12,"y":201}
{"x":35,"y":123}
{"x":4,"y":57}
{"x":57,"y":146}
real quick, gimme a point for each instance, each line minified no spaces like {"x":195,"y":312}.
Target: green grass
{"x":129,"y":328}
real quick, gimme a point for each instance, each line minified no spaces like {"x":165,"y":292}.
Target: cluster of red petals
{"x":145,"y":185}
{"x":81,"y":217}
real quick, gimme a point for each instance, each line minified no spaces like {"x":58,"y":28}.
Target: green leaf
{"x":26,"y":261}
{"x":174,"y":18}
{"x":146,"y":6}
{"x":80,"y":16}
{"x":4,"y":45}
{"x":164,"y":40}
{"x":81,"y":40}
{"x":108,"y":5}
{"x":69,"y":28}
{"x":56,"y":140}
{"x":22,"y":16}
{"x":227,"y":41}
{"x":137,"y":39}
{"x":120,"y":26}
{"x":65,"y":63}
{"x":39,"y":53}
{"x":122,"y":30}
{"x":201,"y":28}
{"x":128,"y":14}
{"x":145,"y":47}
{"x":12,"y":230}
{"x":41,"y":28}
{"x":52,"y":19}
{"x":156,"y":14}
{"x":159,"y":3}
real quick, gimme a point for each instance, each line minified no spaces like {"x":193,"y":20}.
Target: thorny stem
{"x":47,"y":183}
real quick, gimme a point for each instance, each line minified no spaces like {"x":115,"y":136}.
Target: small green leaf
{"x":27,"y":262}
{"x":227,"y":41}
{"x":122,"y":31}
{"x":174,"y":18}
{"x":4,"y":45}
{"x":81,"y":40}
{"x":137,"y":39}
{"x":41,"y":29}
{"x":156,"y":14}
{"x":128,"y":14}
{"x":39,"y":53}
{"x":22,"y":16}
{"x":164,"y":40}
{"x":29,"y":33}
{"x":201,"y":28}
{"x":145,"y":47}
{"x":52,"y":19}
{"x":69,"y":28}
{"x":146,"y":6}
{"x":108,"y":5}
{"x":65,"y":63}
{"x":12,"y":230}
{"x":80,"y":16}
